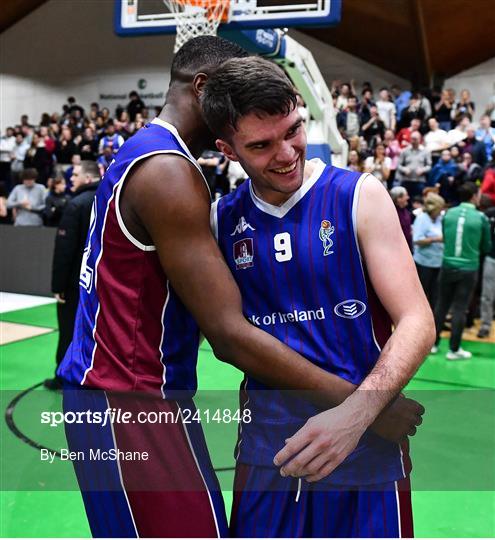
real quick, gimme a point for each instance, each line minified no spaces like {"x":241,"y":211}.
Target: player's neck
{"x":191,"y":128}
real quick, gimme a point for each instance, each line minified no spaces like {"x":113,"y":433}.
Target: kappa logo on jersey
{"x":326,"y":230}
{"x":244,"y":253}
{"x":350,"y":309}
{"x":242,"y":226}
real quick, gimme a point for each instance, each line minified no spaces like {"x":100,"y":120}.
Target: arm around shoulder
{"x":171,"y":200}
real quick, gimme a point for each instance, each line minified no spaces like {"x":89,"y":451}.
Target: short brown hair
{"x":245,"y":85}
{"x":29,"y":174}
{"x":91,"y":168}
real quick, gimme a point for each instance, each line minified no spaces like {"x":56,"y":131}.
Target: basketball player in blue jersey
{"x":321,"y":263}
{"x":152,"y":275}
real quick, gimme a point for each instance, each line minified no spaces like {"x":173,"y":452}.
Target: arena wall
{"x":26,"y":261}
{"x":480,"y":80}
{"x":69,"y":48}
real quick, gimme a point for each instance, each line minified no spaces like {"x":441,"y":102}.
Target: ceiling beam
{"x":13,"y":11}
{"x":420,"y":40}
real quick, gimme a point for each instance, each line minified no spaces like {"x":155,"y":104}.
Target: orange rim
{"x":211,"y":7}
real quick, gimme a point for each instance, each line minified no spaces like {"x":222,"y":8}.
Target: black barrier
{"x":26,"y":261}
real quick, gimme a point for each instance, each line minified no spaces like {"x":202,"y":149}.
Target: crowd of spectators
{"x":418,"y":139}
{"x":37,"y":162}
{"x":433,"y":152}
{"x":420,"y":144}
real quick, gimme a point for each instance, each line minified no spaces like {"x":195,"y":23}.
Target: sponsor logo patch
{"x":244,"y":253}
{"x":350,"y":309}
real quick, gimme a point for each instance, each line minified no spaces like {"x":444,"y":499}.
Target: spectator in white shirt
{"x":386,"y":109}
{"x":436,"y":139}
{"x":379,"y":164}
{"x":344,"y":93}
{"x":18,"y":155}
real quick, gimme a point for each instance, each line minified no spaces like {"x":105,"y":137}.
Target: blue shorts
{"x":269,"y":506}
{"x":172,"y":493}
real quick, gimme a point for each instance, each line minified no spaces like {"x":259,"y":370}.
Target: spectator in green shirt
{"x":466,"y":233}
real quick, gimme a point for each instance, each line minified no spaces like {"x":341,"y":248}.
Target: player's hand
{"x":321,"y":444}
{"x":399,"y":420}
{"x":59,"y":297}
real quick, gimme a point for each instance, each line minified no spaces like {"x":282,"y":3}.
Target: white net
{"x":196,"y":18}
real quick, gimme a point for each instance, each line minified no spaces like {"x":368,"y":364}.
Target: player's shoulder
{"x":149,"y":138}
{"x":235,"y":198}
{"x":342,"y":179}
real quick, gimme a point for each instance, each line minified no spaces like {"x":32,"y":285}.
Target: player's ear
{"x":226,"y":149}
{"x":199,"y":82}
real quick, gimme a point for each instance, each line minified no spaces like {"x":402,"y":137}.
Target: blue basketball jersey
{"x":132,"y":332}
{"x":302,"y":279}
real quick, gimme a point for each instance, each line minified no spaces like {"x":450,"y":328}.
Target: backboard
{"x":138,"y":17}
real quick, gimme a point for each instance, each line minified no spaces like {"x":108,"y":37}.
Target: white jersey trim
{"x":399,"y":524}
{"x":282,"y":210}
{"x":120,"y":473}
{"x":173,"y":130}
{"x":355,"y":204}
{"x":212,"y":506}
{"x":214,"y":219}
{"x":98,"y":259}
{"x":120,"y":184}
{"x":164,"y":374}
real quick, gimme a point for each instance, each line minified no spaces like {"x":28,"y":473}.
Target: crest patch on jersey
{"x":244,"y":253}
{"x":326,"y":230}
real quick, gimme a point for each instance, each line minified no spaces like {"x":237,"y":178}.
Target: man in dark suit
{"x":67,"y":257}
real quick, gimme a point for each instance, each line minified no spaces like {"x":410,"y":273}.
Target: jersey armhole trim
{"x":120,"y":220}
{"x":173,"y":130}
{"x":214,"y":219}
{"x":355,"y":204}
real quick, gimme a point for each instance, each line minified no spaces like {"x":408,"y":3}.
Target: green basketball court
{"x":454,"y":464}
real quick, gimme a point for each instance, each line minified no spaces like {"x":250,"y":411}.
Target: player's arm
{"x":13,"y":200}
{"x":171,"y":200}
{"x":394,"y":278}
{"x":39,"y":205}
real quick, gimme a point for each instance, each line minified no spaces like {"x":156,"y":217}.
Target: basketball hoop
{"x":197,"y":18}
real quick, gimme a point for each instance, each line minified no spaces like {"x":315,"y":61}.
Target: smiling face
{"x":272,"y":150}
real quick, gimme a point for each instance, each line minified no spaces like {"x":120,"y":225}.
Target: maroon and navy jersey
{"x":302,"y":279}
{"x":132,"y":332}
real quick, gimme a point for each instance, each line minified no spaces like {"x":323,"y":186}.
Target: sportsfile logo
{"x":350,"y":309}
